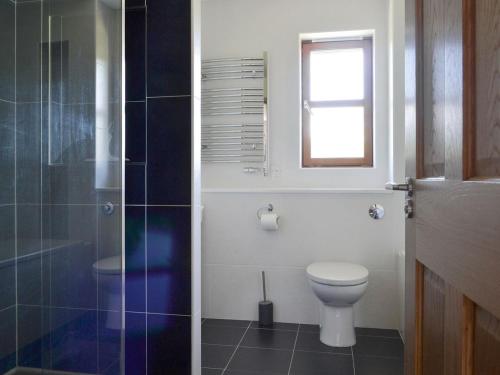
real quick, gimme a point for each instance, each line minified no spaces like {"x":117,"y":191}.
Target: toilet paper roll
{"x":269,"y":221}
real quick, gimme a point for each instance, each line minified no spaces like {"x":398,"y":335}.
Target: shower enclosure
{"x":61,"y":190}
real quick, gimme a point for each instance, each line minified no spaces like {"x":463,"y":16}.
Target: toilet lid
{"x":332,"y":273}
{"x":112,"y":265}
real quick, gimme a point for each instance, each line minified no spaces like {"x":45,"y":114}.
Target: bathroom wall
{"x":7,"y":187}
{"x":162,"y":188}
{"x":323,"y":211}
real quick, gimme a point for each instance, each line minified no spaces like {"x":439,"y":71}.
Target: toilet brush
{"x":265,"y":307}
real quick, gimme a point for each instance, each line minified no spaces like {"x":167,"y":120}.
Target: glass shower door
{"x":69,"y":236}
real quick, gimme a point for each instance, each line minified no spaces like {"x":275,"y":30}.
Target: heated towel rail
{"x":234,"y":109}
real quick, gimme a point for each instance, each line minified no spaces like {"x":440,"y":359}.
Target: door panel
{"x":487,"y":88}
{"x":453,"y":153}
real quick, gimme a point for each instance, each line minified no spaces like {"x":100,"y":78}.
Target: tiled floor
{"x":235,"y":347}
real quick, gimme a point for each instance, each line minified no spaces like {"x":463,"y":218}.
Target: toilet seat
{"x":337,"y":274}
{"x":108,"y":266}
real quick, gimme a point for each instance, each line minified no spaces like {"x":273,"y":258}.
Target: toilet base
{"x":337,"y":326}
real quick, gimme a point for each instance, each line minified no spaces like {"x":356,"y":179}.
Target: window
{"x":337,"y":96}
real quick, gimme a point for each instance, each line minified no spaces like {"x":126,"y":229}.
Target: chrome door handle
{"x":408,"y":186}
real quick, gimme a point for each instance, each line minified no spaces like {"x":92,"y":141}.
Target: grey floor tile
{"x":226,"y":323}
{"x":309,"y":328}
{"x":211,"y":371}
{"x":377,"y":332}
{"x":310,"y":342}
{"x":221,"y":335}
{"x":266,"y":338}
{"x":262,"y":361}
{"x":378,"y":347}
{"x":378,"y":366}
{"x":215,"y":356}
{"x":277,"y":326}
{"x":309,"y":363}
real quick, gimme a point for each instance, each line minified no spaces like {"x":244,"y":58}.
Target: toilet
{"x":108,"y":274}
{"x":338,"y":286}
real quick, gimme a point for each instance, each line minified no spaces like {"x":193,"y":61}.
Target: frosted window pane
{"x":337,"y":132}
{"x":337,"y":74}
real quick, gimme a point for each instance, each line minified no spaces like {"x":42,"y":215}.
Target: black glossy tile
{"x":261,"y":361}
{"x":71,"y":269}
{"x":74,"y":343}
{"x":7,"y":41}
{"x":169,"y":260}
{"x":266,"y":338}
{"x":378,"y":366}
{"x":30,"y":336}
{"x":169,"y":151}
{"x":135,"y":128}
{"x":8,"y":341}
{"x":135,"y":183}
{"x":309,"y":328}
{"x":7,"y":151}
{"x":310,"y":342}
{"x":28,"y":229}
{"x":109,"y":332}
{"x":28,"y":37}
{"x":79,"y":136}
{"x":169,"y":344}
{"x":134,"y":3}
{"x":226,"y":323}
{"x":135,"y":258}
{"x":216,"y":356}
{"x":169,"y":47}
{"x":28,"y":146}
{"x":221,"y":335}
{"x":378,"y":347}
{"x":211,"y":371}
{"x":376,"y":332}
{"x":135,"y":51}
{"x":7,"y":283}
{"x":307,"y":363}
{"x":29,"y":280}
{"x":277,"y":326}
{"x":7,"y":232}
{"x":135,"y":343}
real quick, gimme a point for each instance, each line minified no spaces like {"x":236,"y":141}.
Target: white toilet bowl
{"x":108,"y":274}
{"x":338,"y":286}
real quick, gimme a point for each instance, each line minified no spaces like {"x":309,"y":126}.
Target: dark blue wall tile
{"x":30,"y":336}
{"x":169,"y":260}
{"x":71,"y":270}
{"x":135,"y":258}
{"x":7,"y":150}
{"x":135,"y":52}
{"x":169,"y":151}
{"x":169,"y":47}
{"x":169,"y":345}
{"x":8,"y":341}
{"x":135,"y":183}
{"x":73,"y":340}
{"x":135,"y":344}
{"x":7,"y":283}
{"x":7,"y":41}
{"x":109,"y":340}
{"x":134,"y":3}
{"x":135,"y":129}
{"x":29,"y":280}
{"x":28,"y":38}
{"x":7,"y":232}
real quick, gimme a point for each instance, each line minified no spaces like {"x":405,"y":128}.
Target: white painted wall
{"x":323,"y":211}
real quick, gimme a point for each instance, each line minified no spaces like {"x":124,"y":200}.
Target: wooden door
{"x":453,"y":154}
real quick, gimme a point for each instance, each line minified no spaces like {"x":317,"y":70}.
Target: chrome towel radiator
{"x":234,"y":109}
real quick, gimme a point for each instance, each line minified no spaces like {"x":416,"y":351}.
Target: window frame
{"x":308,"y":46}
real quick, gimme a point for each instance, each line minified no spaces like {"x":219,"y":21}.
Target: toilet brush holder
{"x":265,"y":307}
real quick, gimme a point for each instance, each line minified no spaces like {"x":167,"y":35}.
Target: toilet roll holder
{"x":269,"y":208}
